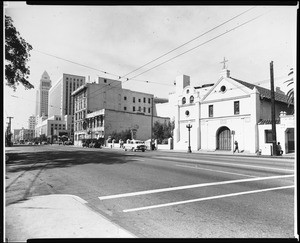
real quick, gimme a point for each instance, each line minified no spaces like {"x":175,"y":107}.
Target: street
{"x":157,"y":194}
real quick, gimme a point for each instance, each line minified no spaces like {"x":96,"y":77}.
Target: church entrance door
{"x":223,"y":139}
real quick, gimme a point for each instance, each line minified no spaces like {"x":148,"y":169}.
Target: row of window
{"x":58,"y":125}
{"x":80,"y":115}
{"x":236,"y":108}
{"x":139,"y":109}
{"x":139,"y":100}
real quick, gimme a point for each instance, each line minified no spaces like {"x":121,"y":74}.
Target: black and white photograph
{"x":149,"y":121}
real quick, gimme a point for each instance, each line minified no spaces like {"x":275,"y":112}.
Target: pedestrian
{"x":279,"y":149}
{"x":236,"y":147}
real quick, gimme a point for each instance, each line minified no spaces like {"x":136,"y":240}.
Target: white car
{"x":135,"y":145}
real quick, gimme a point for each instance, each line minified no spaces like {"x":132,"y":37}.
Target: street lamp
{"x":189,"y":126}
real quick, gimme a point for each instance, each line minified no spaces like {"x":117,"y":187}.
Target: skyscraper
{"x":42,"y":95}
{"x":31,"y":122}
{"x":60,"y":95}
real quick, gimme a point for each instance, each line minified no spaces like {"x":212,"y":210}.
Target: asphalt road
{"x":163,"y":194}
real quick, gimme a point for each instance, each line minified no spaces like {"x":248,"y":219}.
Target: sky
{"x":112,"y":41}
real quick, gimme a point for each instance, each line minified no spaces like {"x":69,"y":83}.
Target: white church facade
{"x":221,"y":113}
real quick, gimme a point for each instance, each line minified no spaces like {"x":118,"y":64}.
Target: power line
{"x":195,"y":38}
{"x":203,"y":43}
{"x":96,"y":69}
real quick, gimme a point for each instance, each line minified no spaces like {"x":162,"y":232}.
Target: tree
{"x":290,"y":93}
{"x":16,"y":57}
{"x":124,"y":135}
{"x":163,"y":131}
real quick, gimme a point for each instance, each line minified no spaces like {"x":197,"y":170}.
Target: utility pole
{"x":8,"y":131}
{"x":274,"y":141}
{"x":151,"y":123}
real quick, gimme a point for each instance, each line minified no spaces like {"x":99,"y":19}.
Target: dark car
{"x":68,"y":143}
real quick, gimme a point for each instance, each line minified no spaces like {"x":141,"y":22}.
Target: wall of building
{"x":117,"y":121}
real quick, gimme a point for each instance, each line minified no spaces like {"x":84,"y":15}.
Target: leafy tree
{"x":124,"y":135}
{"x":16,"y":57}
{"x":163,"y":131}
{"x":290,"y":93}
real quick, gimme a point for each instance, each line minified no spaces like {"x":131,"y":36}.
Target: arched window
{"x":183,"y":100}
{"x":192,"y":99}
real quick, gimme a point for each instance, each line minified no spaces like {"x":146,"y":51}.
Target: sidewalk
{"x":57,"y":216}
{"x":219,"y":152}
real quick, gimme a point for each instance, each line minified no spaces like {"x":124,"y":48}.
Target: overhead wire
{"x":195,"y":38}
{"x":203,"y":43}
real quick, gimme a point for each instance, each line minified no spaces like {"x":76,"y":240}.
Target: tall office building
{"x":42,"y":95}
{"x":31,"y":122}
{"x":60,"y":95}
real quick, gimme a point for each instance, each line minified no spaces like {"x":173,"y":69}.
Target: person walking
{"x":279,"y":149}
{"x":236,"y":147}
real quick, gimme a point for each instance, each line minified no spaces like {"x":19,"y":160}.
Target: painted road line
{"x":224,"y":163}
{"x":130,"y":194}
{"x":219,"y":171}
{"x":206,"y":198}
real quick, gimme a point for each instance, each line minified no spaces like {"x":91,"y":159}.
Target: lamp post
{"x":189,"y":126}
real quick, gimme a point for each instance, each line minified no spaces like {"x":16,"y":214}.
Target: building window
{"x":144,"y":109}
{"x":183,"y":100}
{"x":125,"y":98}
{"x":105,"y":80}
{"x":192,"y":99}
{"x":144,"y":100}
{"x":149,"y":110}
{"x":236,"y":107}
{"x":125,"y":108}
{"x":210,"y":110}
{"x":149,"y":100}
{"x":268,"y":136}
{"x":139,"y":100}
{"x":140,"y":108}
{"x":133,"y":108}
{"x":133,"y":99}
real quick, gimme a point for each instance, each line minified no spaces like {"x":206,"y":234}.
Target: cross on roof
{"x":224,"y":61}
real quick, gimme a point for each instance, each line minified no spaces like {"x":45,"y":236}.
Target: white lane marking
{"x":220,"y":171}
{"x":130,"y":194}
{"x":224,"y":163}
{"x":206,"y":198}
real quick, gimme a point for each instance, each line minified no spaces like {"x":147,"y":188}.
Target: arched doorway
{"x":223,"y":139}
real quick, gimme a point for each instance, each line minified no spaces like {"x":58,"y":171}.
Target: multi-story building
{"x":53,"y":127}
{"x":31,"y":122}
{"x":60,"y":99}
{"x":16,"y":136}
{"x":129,"y":109}
{"x":42,"y":95}
{"x":26,"y":134}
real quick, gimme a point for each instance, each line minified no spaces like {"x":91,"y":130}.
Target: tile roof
{"x":263,"y":122}
{"x":264,"y":92}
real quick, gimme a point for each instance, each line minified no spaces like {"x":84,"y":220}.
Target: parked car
{"x":135,"y":145}
{"x":68,"y":142}
{"x":44,"y":143}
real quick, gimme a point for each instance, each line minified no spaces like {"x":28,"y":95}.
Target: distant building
{"x":31,"y":122}
{"x":42,"y":95}
{"x":104,"y":107}
{"x":16,"y":135}
{"x":60,"y":108}
{"x":53,"y":127}
{"x":26,"y":134}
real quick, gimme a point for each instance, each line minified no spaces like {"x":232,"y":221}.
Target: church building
{"x":221,"y":113}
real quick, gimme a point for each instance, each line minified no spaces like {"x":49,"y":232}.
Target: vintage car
{"x":135,"y":145}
